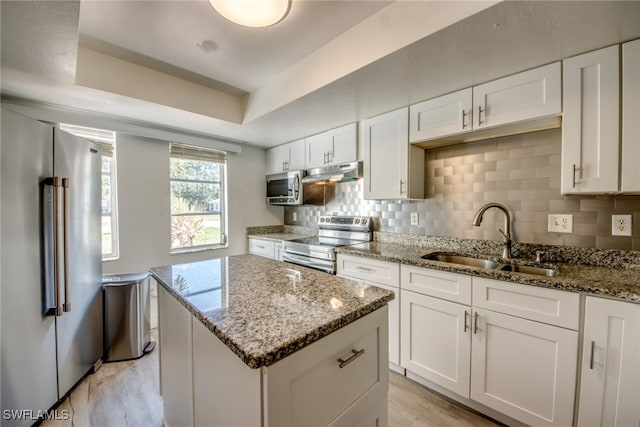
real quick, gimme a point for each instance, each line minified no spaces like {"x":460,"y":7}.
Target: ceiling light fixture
{"x":253,"y":13}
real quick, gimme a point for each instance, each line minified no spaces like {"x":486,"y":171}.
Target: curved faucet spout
{"x":506,"y":233}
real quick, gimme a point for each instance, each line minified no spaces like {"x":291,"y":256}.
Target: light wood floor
{"x":125,"y":394}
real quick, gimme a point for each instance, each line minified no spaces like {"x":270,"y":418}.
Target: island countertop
{"x":260,"y":310}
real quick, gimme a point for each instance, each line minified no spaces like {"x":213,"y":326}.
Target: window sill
{"x":115,"y":258}
{"x":197,"y":249}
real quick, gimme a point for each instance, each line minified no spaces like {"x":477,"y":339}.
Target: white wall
{"x":144,"y":207}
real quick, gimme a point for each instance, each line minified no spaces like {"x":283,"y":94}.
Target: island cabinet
{"x":393,"y":168}
{"x":526,"y":101}
{"x":243,"y":342}
{"x":509,"y":347}
{"x":385,"y":275}
{"x":332,"y":147}
{"x":610,"y":377}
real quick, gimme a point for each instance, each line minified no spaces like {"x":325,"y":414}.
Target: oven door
{"x":307,"y":261}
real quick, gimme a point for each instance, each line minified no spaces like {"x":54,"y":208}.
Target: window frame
{"x":200,"y":154}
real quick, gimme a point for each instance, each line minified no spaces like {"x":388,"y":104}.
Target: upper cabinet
{"x":332,"y":147}
{"x":526,"y":101}
{"x":590,"y":131}
{"x":393,"y":168}
{"x":286,"y":157}
{"x":630,"y":117}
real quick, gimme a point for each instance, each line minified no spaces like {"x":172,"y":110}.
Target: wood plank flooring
{"x":125,"y":394}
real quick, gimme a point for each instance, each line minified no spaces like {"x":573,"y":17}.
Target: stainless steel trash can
{"x":126,"y":316}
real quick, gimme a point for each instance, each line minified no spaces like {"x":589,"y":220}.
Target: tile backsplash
{"x":522,"y":172}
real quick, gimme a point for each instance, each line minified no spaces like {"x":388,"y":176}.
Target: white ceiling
{"x":178,"y":65}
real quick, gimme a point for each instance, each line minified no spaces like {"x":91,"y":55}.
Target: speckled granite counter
{"x":278,"y":236}
{"x":620,"y":282}
{"x":252,"y":305}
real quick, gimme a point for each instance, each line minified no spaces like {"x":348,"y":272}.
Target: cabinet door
{"x":446,"y":115}
{"x":630,"y":117}
{"x":319,"y":148}
{"x":278,"y":159}
{"x":528,"y":95}
{"x":436,"y":340}
{"x":393,"y":169}
{"x":343,"y":144}
{"x":610,"y":379}
{"x":297,"y":155}
{"x":524,"y":369}
{"x":591,"y":121}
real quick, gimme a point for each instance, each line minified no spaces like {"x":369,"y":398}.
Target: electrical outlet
{"x":621,"y":225}
{"x":414,"y":218}
{"x":560,"y":223}
{"x":295,"y":216}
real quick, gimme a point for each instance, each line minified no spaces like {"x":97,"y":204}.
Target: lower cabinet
{"x":610,"y":377}
{"x":340,"y":380}
{"x":384,"y":275}
{"x":271,"y":249}
{"x":519,"y":367}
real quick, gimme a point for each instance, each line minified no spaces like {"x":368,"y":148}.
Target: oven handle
{"x":327,"y":256}
{"x":327,"y":266}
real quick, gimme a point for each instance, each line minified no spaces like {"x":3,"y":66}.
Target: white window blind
{"x":193,"y":152}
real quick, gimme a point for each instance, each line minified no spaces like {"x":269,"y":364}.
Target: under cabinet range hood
{"x":342,"y":172}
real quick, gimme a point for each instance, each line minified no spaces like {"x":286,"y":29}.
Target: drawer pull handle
{"x":363,"y":268}
{"x":354,"y":356}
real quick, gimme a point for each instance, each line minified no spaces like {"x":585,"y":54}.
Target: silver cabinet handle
{"x":401,"y":184}
{"x":464,"y":114}
{"x":363,"y":268}
{"x":355,"y":354}
{"x":593,"y":347}
{"x":575,"y":169}
{"x":480,"y":114}
{"x":466,"y":316}
{"x":475,"y":323}
{"x":65,"y":221}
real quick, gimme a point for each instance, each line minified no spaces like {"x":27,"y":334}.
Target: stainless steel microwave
{"x":285,"y":188}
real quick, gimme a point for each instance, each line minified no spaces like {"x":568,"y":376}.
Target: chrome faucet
{"x":477,"y":219}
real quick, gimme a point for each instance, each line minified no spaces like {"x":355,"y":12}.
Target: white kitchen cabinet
{"x":610,"y":377}
{"x":271,"y":249}
{"x":523,"y":102}
{"x":175,"y":360}
{"x":287,"y":157}
{"x":385,"y":275}
{"x":630,"y":180}
{"x":485,"y":340}
{"x":524,"y":369}
{"x":524,"y":96}
{"x":393,"y":168}
{"x":332,"y":147}
{"x":591,"y":122}
{"x":436,"y":340}
{"x":449,"y":114}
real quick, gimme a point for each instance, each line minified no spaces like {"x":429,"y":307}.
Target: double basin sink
{"x":468,"y":261}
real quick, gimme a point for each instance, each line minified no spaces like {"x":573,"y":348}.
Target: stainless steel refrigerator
{"x":51,"y":265}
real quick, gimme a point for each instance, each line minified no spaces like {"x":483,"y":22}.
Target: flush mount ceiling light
{"x":252,"y":13}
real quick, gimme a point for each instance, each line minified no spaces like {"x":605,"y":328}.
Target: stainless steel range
{"x":333,"y":231}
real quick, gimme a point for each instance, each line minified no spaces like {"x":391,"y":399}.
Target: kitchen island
{"x":247,"y":341}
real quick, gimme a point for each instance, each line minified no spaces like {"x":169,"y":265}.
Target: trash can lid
{"x":119,"y":279}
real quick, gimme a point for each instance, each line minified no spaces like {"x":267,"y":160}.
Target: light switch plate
{"x":621,"y":225}
{"x":295,"y":216}
{"x":414,"y":218}
{"x":560,"y":223}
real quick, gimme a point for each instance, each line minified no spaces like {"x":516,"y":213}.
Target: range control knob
{"x":364,"y":221}
{"x":357,"y":221}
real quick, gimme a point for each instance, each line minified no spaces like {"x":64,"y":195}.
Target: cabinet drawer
{"x":540,"y":304}
{"x":440,"y":284}
{"x":265,"y":248}
{"x":312,"y":387}
{"x":385,"y":273}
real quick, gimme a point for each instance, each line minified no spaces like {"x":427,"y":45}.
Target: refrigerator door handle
{"x":65,"y":224}
{"x":51,"y":294}
{"x":55,"y":246}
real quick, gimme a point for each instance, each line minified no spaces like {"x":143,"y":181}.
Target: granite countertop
{"x":620,"y":283}
{"x":252,"y":305}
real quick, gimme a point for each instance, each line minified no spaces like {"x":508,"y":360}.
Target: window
{"x":107,"y":141}
{"x":198,"y":198}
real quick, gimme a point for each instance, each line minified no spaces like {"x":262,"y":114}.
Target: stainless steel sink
{"x":528,"y":269}
{"x":469,"y":261}
{"x":461,"y":260}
